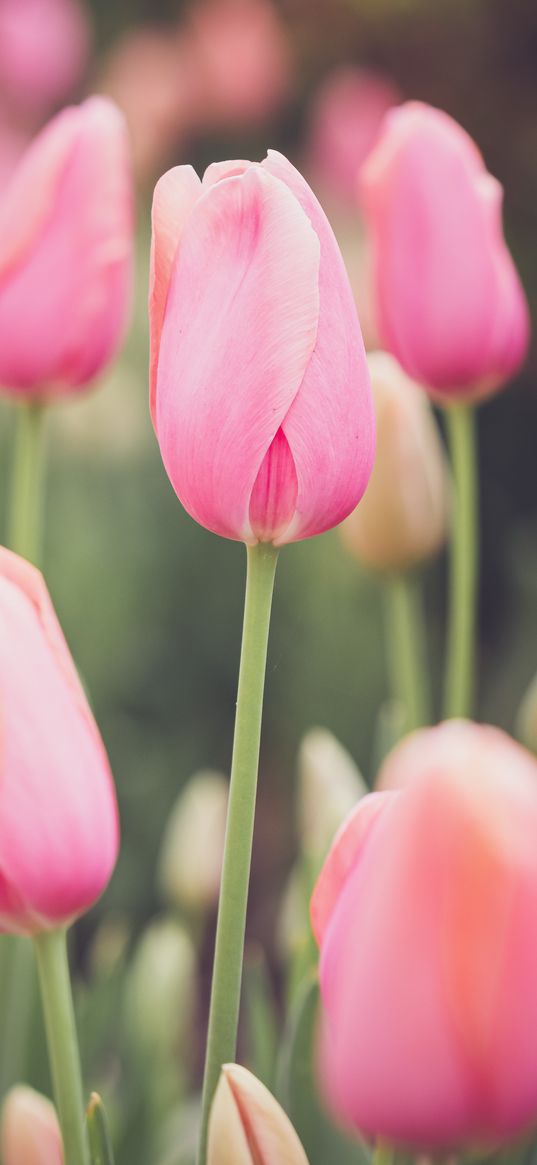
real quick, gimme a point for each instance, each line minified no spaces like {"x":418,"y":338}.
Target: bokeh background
{"x":151,"y":603}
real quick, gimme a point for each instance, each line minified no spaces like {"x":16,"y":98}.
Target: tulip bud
{"x":527,"y":717}
{"x":66,"y":253}
{"x":160,"y":989}
{"x":448,"y":300}
{"x":29,"y":1129}
{"x":189,"y":872}
{"x":259,"y":384}
{"x":426,"y":916}
{"x":58,"y":815}
{"x":247,"y":1126}
{"x":329,"y":785}
{"x":403,"y":517}
{"x":44,"y":47}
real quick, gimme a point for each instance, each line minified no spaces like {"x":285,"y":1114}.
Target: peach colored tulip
{"x":259,"y":386}
{"x":448,"y":300}
{"x":58,"y":814}
{"x":247,"y":1126}
{"x":44,"y":48}
{"x":403,"y":519}
{"x":29,"y":1129}
{"x":65,"y":253}
{"x":426,"y":916}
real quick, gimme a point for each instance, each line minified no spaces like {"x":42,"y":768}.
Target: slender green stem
{"x":459,"y":689}
{"x":54,"y":980}
{"x":24,"y":532}
{"x":406,"y":648}
{"x":383,"y":1153}
{"x":228,"y":957}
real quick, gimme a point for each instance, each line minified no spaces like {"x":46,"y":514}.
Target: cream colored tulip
{"x":247,"y":1126}
{"x":329,"y":785}
{"x":192,"y":850}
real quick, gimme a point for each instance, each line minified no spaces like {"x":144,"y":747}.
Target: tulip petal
{"x":330,"y":426}
{"x":248,"y":1126}
{"x":175,"y":195}
{"x":246,"y":275}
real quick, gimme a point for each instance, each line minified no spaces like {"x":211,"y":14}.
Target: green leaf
{"x":99,"y":1137}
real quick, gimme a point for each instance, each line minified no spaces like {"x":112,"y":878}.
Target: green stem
{"x":459,"y":689}
{"x":228,"y":957}
{"x":54,"y":980}
{"x":406,"y":648}
{"x":24,"y":531}
{"x":383,"y":1153}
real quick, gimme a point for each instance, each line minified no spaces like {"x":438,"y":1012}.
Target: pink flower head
{"x":260,"y":392}
{"x":29,"y":1129}
{"x":58,"y":814}
{"x":44,"y":48}
{"x":448,"y":299}
{"x":426,"y":916}
{"x":66,"y":253}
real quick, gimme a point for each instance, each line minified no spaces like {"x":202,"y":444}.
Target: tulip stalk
{"x":231,"y":924}
{"x":406,"y":649}
{"x":459,"y":689}
{"x":24,"y":532}
{"x":54,"y":979}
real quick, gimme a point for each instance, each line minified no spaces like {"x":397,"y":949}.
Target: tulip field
{"x":268,"y":562}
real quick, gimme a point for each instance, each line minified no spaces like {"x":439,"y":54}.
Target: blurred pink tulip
{"x":65,"y":253}
{"x":260,"y":392}
{"x":44,"y":48}
{"x":58,"y":814}
{"x":426,"y":916}
{"x":346,"y":115}
{"x":29,"y":1129}
{"x":242,"y":60}
{"x":448,"y":300}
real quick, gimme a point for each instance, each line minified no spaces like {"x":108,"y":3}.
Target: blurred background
{"x":151,"y":603}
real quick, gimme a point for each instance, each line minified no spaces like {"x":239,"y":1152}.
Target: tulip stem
{"x":24,"y":530}
{"x":55,"y":983}
{"x":459,"y":689}
{"x":230,"y":930}
{"x":406,"y":648}
{"x":383,"y":1153}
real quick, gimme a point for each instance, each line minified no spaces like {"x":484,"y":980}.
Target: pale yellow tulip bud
{"x":160,"y":988}
{"x":29,"y":1130}
{"x":403,"y":518}
{"x":247,"y":1126}
{"x":193,"y":845}
{"x":329,"y":785}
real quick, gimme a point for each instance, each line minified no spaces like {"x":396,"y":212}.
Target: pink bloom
{"x":65,"y":253}
{"x":29,"y":1129}
{"x":58,"y":815}
{"x":449,"y":303}
{"x":426,"y":916}
{"x":346,"y":116}
{"x":44,"y":47}
{"x":259,"y":386}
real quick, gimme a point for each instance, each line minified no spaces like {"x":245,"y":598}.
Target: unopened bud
{"x":30,"y":1133}
{"x":192,"y":850}
{"x":160,"y":987}
{"x":247,"y":1125}
{"x":403,"y":518}
{"x":329,"y":786}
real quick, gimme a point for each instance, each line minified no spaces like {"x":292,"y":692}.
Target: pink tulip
{"x":65,"y":253}
{"x":44,"y":48}
{"x":260,"y":393}
{"x":29,"y":1129}
{"x":448,"y":300}
{"x":426,"y":916}
{"x":58,"y":815}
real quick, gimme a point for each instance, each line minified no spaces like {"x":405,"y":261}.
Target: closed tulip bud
{"x":66,"y":253}
{"x":403,"y":517}
{"x":448,"y":300}
{"x":29,"y":1129}
{"x":247,"y":1126}
{"x":426,"y":916}
{"x":189,"y":873}
{"x":159,"y":993}
{"x":58,"y":815}
{"x":259,"y":385}
{"x":329,"y":785}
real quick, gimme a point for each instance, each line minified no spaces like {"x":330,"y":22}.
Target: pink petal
{"x":273,"y":499}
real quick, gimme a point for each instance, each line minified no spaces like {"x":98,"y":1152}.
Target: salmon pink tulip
{"x":29,"y":1129}
{"x":448,"y":299}
{"x":426,"y":916}
{"x":58,"y":815}
{"x":260,"y":392}
{"x":65,"y":253}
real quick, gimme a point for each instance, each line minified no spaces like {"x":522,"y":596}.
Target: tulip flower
{"x":44,"y":48}
{"x":65,"y":253}
{"x":259,"y":385}
{"x":189,"y":874}
{"x":449,"y":303}
{"x":58,"y":815}
{"x":426,"y":915}
{"x":29,"y":1129}
{"x":247,"y":1126}
{"x":329,"y":784}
